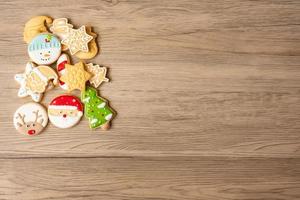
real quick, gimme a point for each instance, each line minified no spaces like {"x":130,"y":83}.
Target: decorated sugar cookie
{"x":96,"y":109}
{"x":77,"y":40}
{"x":98,"y":74}
{"x":60,"y":68}
{"x":75,"y":76}
{"x":65,"y":111}
{"x":61,"y":28}
{"x":30,"y":119}
{"x":35,"y":26}
{"x":35,"y":80}
{"x":92,"y":45}
{"x":44,"y":49}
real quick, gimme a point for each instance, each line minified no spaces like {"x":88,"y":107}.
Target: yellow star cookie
{"x":98,"y":74}
{"x":77,"y":40}
{"x":75,"y":76}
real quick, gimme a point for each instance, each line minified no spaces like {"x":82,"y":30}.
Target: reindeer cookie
{"x":30,"y":119}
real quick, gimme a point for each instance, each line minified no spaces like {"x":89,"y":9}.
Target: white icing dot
{"x":94,"y":121}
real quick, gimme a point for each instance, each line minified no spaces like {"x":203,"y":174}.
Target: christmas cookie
{"x":60,"y":68}
{"x":75,"y":76}
{"x":61,"y":28}
{"x":35,"y":80}
{"x":92,"y":45}
{"x":35,"y":26}
{"x":44,"y":49}
{"x":30,"y":119}
{"x":77,"y":40}
{"x":96,"y":109}
{"x":65,"y":111}
{"x":98,"y":74}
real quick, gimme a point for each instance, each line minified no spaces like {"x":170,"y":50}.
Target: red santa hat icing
{"x":66,"y":102}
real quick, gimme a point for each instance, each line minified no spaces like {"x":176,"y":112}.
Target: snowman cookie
{"x":30,"y":119}
{"x":65,"y":111}
{"x":44,"y":49}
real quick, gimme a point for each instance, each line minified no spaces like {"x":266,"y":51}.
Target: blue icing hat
{"x":44,"y":41}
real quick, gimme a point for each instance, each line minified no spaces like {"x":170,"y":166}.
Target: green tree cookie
{"x":96,"y":109}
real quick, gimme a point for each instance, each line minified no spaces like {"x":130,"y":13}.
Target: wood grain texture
{"x":207,"y":95}
{"x":210,"y":178}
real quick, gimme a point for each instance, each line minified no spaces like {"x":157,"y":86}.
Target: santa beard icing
{"x":65,"y":111}
{"x":64,"y":120}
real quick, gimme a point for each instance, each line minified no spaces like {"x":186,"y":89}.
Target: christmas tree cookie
{"x":96,"y":109}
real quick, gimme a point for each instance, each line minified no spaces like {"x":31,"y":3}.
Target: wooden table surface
{"x":207,"y":95}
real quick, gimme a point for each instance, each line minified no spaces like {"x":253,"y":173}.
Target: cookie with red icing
{"x":60,"y":68}
{"x":65,"y":111}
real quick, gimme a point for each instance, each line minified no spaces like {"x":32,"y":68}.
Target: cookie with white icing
{"x":44,"y":49}
{"x":65,"y":111}
{"x":30,"y":119}
{"x":35,"y":81}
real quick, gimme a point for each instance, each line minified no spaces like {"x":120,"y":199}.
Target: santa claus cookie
{"x":30,"y":119}
{"x":65,"y":111}
{"x":44,"y":49}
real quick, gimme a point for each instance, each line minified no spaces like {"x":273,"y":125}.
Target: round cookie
{"x":65,"y":111}
{"x":30,"y":119}
{"x":44,"y":49}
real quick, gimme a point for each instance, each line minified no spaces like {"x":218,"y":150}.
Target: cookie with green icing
{"x":96,"y":109}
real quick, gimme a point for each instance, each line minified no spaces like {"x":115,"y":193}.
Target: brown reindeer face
{"x":37,"y":120}
{"x":31,"y":128}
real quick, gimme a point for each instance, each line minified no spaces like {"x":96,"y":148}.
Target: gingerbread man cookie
{"x":30,"y":119}
{"x":96,"y":109}
{"x":35,"y":26}
{"x":35,"y":80}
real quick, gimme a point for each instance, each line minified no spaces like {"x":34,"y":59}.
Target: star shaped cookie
{"x":75,"y":76}
{"x":98,"y":74}
{"x":35,"y":81}
{"x":77,"y":40}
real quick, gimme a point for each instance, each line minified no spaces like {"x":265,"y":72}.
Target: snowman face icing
{"x":44,"y":49}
